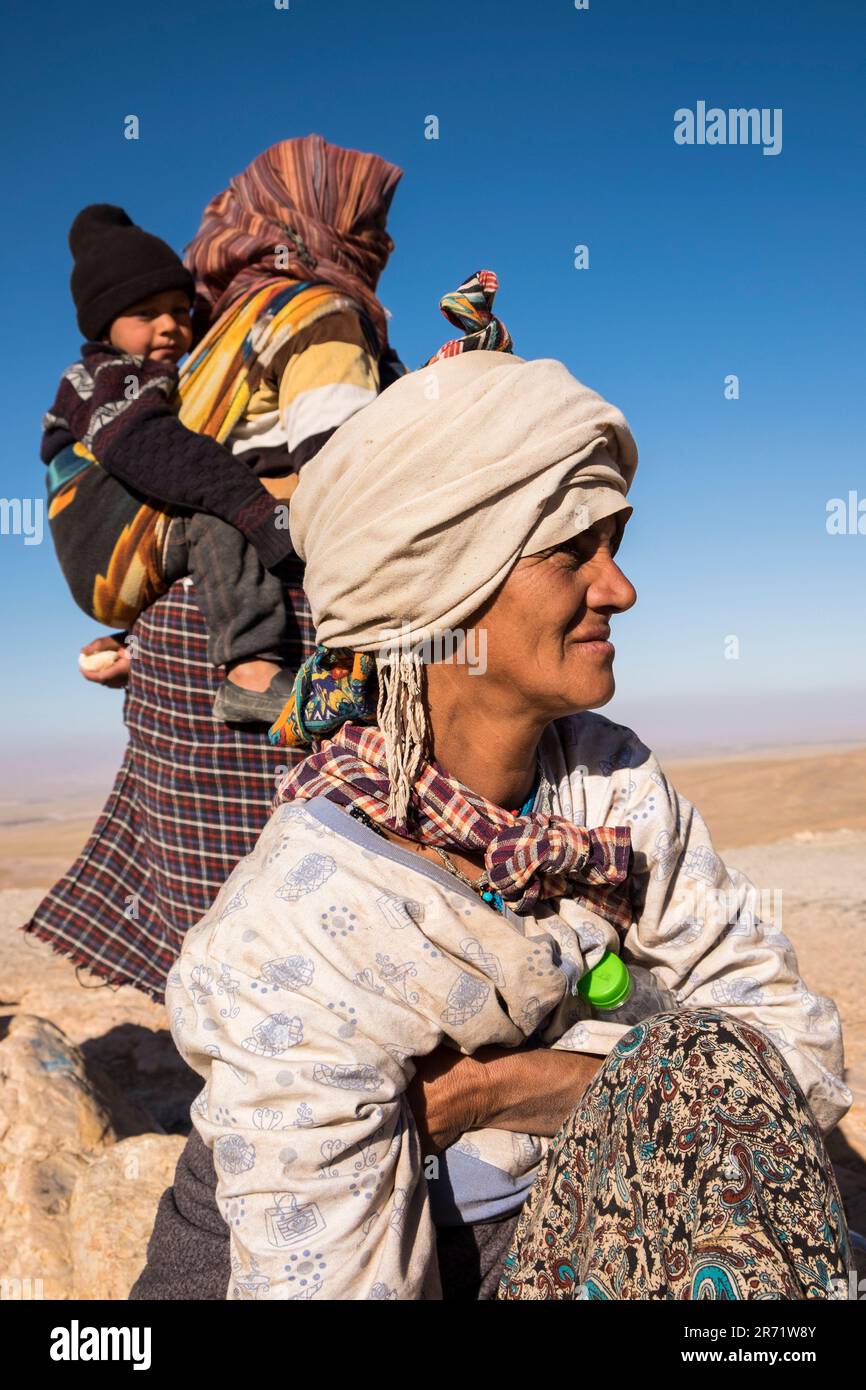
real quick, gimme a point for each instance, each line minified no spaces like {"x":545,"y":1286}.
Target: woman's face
{"x":548,"y":625}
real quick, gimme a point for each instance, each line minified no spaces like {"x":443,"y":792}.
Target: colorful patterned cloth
{"x":333,"y":686}
{"x":302,"y":208}
{"x":189,"y":801}
{"x":691,"y":1169}
{"x":470,"y":307}
{"x":109,"y":543}
{"x":222,"y":378}
{"x":527,"y":859}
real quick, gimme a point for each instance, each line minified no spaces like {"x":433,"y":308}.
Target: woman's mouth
{"x":596,"y":643}
{"x":597,"y":647}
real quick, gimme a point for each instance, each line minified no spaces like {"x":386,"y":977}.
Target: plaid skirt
{"x":190,"y":800}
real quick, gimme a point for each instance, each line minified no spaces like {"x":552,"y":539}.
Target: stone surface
{"x":87,"y":1071}
{"x":52,"y":1122}
{"x":122,"y":1033}
{"x":112,"y":1210}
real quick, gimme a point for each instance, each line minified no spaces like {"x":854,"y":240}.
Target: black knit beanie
{"x":116,"y":265}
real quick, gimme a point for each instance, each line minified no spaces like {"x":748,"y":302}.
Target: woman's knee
{"x":667,"y":1031}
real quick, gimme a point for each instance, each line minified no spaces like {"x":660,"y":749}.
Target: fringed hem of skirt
{"x":80,"y":958}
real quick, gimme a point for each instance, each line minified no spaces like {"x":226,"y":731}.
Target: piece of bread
{"x":97,"y":661}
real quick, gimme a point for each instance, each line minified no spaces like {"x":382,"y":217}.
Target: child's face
{"x":158,"y":327}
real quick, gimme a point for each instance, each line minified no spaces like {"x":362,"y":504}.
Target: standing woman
{"x":286,"y":263}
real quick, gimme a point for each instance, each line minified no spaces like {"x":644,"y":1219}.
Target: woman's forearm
{"x":529,"y":1092}
{"x":533,"y":1092}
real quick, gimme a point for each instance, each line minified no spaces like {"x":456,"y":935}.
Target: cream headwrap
{"x":417,"y":508}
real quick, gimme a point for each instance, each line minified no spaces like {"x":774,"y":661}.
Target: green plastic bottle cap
{"x":607,"y":984}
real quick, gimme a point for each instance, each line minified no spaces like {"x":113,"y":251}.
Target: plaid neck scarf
{"x":527,"y":858}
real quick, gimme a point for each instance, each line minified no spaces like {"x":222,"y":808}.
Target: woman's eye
{"x":578,"y":551}
{"x":573,"y":558}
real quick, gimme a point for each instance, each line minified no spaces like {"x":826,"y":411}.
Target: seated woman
{"x":465,"y":844}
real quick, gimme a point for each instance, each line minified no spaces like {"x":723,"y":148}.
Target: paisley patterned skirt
{"x":691,"y":1169}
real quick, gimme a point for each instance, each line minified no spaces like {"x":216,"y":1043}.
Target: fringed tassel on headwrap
{"x":470,"y":308}
{"x":402,"y":720}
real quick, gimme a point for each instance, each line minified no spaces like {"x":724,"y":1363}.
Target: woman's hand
{"x":116,"y":675}
{"x":281,"y":488}
{"x":529,"y":1092}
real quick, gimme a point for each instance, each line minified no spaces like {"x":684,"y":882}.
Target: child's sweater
{"x":119,"y":407}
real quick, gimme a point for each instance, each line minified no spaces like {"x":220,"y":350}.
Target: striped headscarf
{"x":305,"y":209}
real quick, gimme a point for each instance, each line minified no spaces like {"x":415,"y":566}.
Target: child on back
{"x":205,"y":512}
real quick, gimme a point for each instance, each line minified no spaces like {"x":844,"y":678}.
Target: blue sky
{"x":555,"y":129}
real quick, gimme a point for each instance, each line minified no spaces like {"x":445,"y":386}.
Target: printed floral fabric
{"x":692,"y":1169}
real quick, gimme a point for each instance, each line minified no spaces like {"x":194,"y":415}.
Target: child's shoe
{"x":234,"y":705}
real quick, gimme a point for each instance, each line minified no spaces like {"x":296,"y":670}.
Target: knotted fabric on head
{"x":527,"y":858}
{"x":420,"y":505}
{"x":470,"y":307}
{"x":304,"y":209}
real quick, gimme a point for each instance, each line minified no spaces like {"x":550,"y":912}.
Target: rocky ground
{"x":94,"y":1109}
{"x":94,"y":1100}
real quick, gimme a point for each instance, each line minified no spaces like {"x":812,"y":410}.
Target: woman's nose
{"x":611,"y":588}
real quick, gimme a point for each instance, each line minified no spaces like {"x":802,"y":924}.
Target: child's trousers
{"x":243,"y":604}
